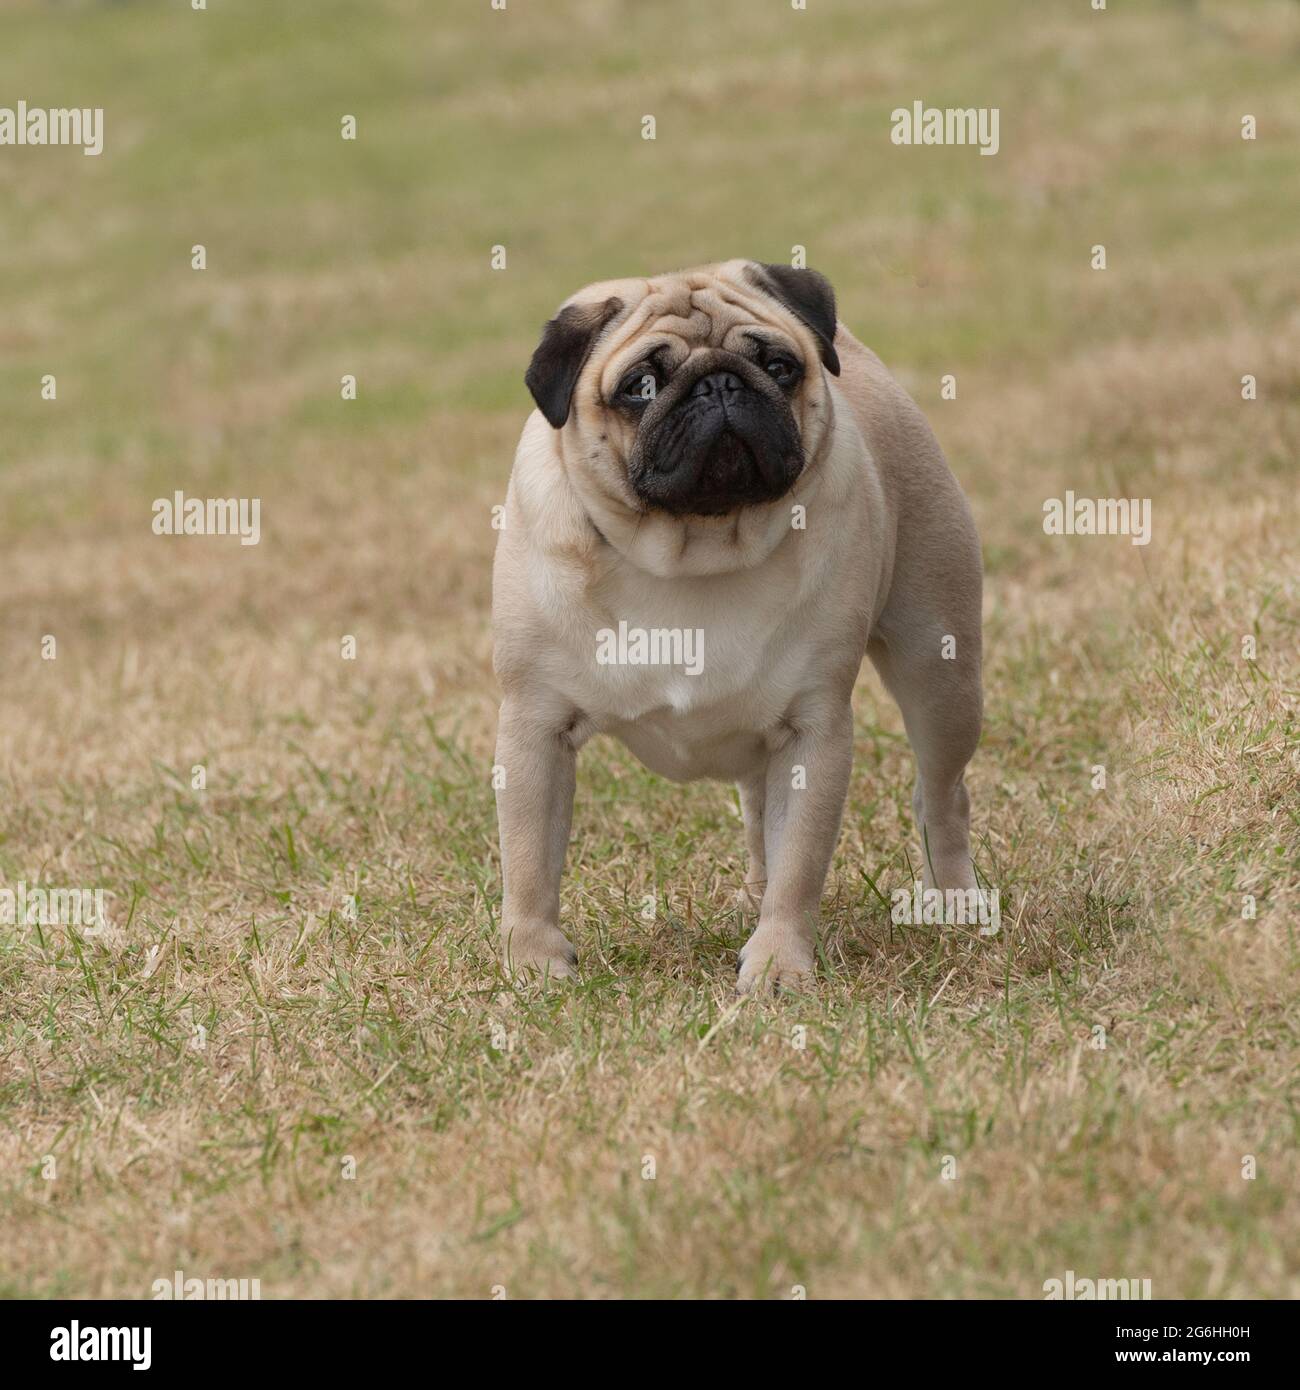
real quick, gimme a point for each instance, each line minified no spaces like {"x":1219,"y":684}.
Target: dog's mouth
{"x":709,"y":460}
{"x":730,"y":470}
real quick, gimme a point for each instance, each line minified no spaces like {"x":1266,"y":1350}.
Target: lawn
{"x":292,"y":1055}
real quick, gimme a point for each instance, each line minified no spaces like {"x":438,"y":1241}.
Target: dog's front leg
{"x":535,"y":772}
{"x":807,"y":781}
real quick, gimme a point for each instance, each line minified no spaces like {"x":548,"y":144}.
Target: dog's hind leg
{"x":753,"y":800}
{"x":933,"y":670}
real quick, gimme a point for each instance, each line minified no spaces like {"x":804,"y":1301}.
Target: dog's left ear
{"x":557,"y":364}
{"x":808,"y":296}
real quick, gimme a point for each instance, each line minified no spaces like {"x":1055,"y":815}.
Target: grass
{"x":294,"y":1057}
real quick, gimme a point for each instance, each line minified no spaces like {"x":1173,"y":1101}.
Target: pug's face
{"x":694,"y":394}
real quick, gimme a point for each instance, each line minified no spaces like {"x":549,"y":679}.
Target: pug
{"x":721,"y":502}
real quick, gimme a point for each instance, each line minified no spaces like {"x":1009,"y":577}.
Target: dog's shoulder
{"x":892,"y":424}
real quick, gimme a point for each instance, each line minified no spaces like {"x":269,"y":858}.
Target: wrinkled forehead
{"x":681,"y":314}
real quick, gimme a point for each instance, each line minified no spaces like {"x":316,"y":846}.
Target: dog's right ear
{"x":808,"y":296}
{"x":557,"y":364}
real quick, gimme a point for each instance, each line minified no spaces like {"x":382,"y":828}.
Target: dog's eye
{"x":640,"y":386}
{"x":782,"y":369}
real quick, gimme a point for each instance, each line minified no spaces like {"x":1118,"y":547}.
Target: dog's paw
{"x":772,"y":960}
{"x":540,"y":952}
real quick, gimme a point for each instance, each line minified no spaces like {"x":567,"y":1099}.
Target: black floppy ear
{"x":566,"y":344}
{"x":809,"y":297}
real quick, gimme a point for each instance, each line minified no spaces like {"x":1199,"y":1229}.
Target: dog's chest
{"x":692,"y":675}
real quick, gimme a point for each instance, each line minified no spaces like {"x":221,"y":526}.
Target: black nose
{"x":717,"y":384}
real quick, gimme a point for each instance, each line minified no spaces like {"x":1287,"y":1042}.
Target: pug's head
{"x":693,"y":394}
